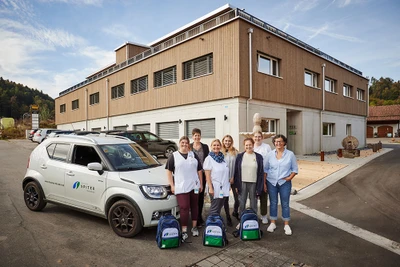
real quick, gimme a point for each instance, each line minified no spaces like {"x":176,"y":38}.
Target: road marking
{"x":350,"y":228}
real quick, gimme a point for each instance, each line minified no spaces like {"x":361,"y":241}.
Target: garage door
{"x":141,"y":127}
{"x":168,"y":130}
{"x":370,"y":132}
{"x":207,"y":127}
{"x":120,"y":128}
{"x":384,"y":130}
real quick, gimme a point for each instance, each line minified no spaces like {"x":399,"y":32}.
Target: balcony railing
{"x":191,"y":33}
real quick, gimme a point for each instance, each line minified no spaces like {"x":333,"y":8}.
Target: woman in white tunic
{"x":183,"y":172}
{"x":217,"y":176}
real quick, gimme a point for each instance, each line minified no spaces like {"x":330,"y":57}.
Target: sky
{"x":51,"y":45}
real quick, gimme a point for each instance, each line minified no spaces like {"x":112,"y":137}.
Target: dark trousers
{"x":236,"y":200}
{"x":187,"y":202}
{"x":201,"y":201}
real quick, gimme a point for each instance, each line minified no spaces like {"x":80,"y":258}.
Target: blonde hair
{"x":232,"y":150}
{"x":215,"y":140}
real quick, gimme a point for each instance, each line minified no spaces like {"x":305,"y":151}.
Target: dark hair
{"x":279,"y":136}
{"x":248,"y":139}
{"x":184,"y":138}
{"x":196,"y":130}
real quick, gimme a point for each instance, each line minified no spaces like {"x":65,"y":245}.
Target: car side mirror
{"x":95,"y":166}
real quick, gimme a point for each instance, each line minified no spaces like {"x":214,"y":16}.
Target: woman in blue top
{"x":281,"y":167}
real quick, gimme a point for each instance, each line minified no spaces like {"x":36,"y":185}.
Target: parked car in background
{"x":108,"y":176}
{"x":41,"y":134}
{"x":152,"y":143}
{"x":70,"y":132}
{"x":31,"y":133}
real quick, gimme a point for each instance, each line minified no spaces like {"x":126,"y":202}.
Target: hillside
{"x":16,"y":99}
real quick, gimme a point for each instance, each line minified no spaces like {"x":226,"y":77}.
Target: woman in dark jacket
{"x":202,"y":151}
{"x":249,"y":175}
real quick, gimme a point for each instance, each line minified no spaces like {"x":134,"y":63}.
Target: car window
{"x":58,"y":151}
{"x":83,"y":155}
{"x":151,"y":137}
{"x":135,"y":137}
{"x":127,"y":157}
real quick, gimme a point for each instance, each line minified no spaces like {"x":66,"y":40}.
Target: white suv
{"x":109,"y":176}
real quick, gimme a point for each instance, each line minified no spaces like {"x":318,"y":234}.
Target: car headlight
{"x":154,"y":191}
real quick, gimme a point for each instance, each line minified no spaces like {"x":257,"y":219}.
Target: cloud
{"x":119,"y":31}
{"x":76,"y":2}
{"x":305,"y":5}
{"x":344,"y":3}
{"x":101,"y":58}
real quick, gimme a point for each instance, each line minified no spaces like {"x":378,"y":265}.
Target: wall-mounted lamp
{"x":268,"y":37}
{"x":104,"y":127}
{"x":225,"y":118}
{"x":201,"y":38}
{"x":126,"y":125}
{"x":179,"y":121}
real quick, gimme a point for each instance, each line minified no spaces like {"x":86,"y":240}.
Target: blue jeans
{"x":284,"y":193}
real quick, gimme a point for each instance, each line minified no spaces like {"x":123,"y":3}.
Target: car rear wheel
{"x":33,"y":197}
{"x":169,"y":151}
{"x":124,"y":219}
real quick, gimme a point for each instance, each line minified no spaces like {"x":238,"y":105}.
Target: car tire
{"x":124,"y":219}
{"x":169,"y":151}
{"x":33,"y":197}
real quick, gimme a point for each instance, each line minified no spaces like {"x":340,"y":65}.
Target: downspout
{"x":249,"y":31}
{"x":366,"y":119}
{"x":86,"y":108}
{"x":323,"y":108}
{"x":107,"y":111}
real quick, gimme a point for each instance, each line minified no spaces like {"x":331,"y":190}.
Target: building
{"x":214,"y":74}
{"x":383,"y":121}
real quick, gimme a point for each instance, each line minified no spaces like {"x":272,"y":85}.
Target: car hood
{"x":156,"y":176}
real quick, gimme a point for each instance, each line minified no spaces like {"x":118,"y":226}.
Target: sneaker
{"x":184,"y":236}
{"x":264,"y":219}
{"x":271,"y":228}
{"x":287,"y":229}
{"x":195,"y":231}
{"x":238,"y":226}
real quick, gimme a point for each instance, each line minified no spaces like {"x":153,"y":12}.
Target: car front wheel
{"x":33,"y":197}
{"x":124,"y":219}
{"x":169,"y":151}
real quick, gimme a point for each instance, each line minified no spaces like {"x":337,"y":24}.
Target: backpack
{"x":168,"y":232}
{"x":249,"y":227}
{"x":214,"y":234}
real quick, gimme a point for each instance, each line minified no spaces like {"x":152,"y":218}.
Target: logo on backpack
{"x":249,"y":227}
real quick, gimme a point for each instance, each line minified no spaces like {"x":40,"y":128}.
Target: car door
{"x":85,"y":188}
{"x":154,"y":144}
{"x":52,"y":168}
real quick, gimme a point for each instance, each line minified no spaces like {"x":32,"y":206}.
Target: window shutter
{"x":207,"y":127}
{"x":168,"y":130}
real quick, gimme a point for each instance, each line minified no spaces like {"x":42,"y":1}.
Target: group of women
{"x":258,"y":172}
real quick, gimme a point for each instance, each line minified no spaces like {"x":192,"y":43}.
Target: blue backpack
{"x":214,"y":234}
{"x":249,"y":227}
{"x":168,"y":232}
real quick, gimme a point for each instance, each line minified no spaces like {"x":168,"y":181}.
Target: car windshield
{"x":128,"y":157}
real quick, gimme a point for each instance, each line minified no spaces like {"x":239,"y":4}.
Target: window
{"x":94,"y":98}
{"x":139,"y":85}
{"x":62,"y":108}
{"x":311,"y":79}
{"x":58,"y":151}
{"x":118,"y":91}
{"x":206,"y":126}
{"x":198,"y":67}
{"x":165,"y":77}
{"x":327,"y":129}
{"x":348,"y":129}
{"x":83,"y":155}
{"x":75,"y":104}
{"x":346,"y":90}
{"x":268,"y":125}
{"x":329,"y":85}
{"x":268,"y":65}
{"x":360,"y":94}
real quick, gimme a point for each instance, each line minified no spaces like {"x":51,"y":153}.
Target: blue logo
{"x":76,"y":185}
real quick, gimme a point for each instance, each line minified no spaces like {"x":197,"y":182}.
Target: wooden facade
{"x":229,"y":45}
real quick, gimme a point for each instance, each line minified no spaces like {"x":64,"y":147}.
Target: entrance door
{"x":370,"y":132}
